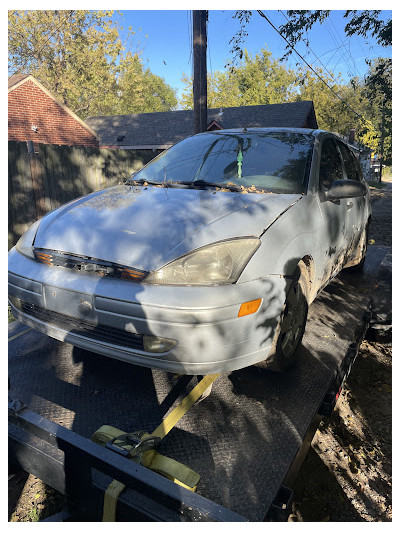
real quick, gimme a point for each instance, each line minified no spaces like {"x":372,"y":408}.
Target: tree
{"x":73,"y":53}
{"x":141,"y":91}
{"x":378,"y":92}
{"x":365,"y":23}
{"x":258,"y":79}
{"x":332,"y":112}
{"x":80,"y":57}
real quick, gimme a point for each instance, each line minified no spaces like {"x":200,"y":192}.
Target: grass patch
{"x":33,"y":515}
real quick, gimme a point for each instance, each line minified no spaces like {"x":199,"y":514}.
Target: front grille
{"x":88,"y":264}
{"x":72,"y":325}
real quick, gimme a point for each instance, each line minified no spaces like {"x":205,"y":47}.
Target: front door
{"x":356,"y":207}
{"x":334,"y":231}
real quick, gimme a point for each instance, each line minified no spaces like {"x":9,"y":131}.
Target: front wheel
{"x":291,"y":325}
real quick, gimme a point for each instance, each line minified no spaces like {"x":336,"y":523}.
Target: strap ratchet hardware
{"x":139,"y":446}
{"x":132,"y":445}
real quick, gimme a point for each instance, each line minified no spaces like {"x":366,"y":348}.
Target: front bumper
{"x":203,"y":320}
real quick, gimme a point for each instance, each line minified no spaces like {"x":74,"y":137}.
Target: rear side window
{"x":349,"y":163}
{"x":358,"y":167}
{"x":330,"y":168}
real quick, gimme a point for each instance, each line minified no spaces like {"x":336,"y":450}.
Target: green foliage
{"x":80,"y":57}
{"x":372,"y":101}
{"x":364,"y":23}
{"x":239,"y":37}
{"x":141,"y":91}
{"x":260,"y":79}
{"x":257,"y":80}
{"x":332,"y":114}
{"x":33,"y":515}
{"x":378,"y":92}
{"x":300,"y":22}
{"x":367,"y":22}
{"x":387,"y":172}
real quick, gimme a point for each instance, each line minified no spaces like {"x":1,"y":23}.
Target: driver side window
{"x":330,"y":168}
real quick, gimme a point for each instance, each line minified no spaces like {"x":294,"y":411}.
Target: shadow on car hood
{"x":145,"y":227}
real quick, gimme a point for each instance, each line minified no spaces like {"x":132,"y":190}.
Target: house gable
{"x":214,"y":125}
{"x":35,"y":115}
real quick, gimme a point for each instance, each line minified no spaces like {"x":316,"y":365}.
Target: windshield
{"x":270,"y":162}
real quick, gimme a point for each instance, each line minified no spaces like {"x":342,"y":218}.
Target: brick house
{"x":34,"y":114}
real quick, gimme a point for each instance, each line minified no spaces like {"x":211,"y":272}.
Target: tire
{"x":361,"y":252}
{"x":291,"y":325}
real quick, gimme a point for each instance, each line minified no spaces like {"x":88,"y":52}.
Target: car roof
{"x":305,"y":131}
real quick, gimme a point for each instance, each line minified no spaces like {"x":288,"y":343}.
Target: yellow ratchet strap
{"x":150,"y":458}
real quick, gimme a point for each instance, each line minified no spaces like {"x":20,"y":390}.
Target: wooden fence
{"x":42,"y":179}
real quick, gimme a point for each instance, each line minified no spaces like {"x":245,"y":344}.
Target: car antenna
{"x":245,"y":128}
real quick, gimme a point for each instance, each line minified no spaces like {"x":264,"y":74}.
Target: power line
{"x":352,"y":59}
{"x":349,"y":49}
{"x":46,"y":41}
{"x":339,"y":49}
{"x":335,"y":50}
{"x":338,"y":41}
{"x":332,"y":76}
{"x":315,"y":55}
{"x":310,"y":67}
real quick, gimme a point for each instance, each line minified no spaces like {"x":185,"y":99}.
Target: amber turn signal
{"x":248,"y":308}
{"x":133,"y":275}
{"x":43,"y":258}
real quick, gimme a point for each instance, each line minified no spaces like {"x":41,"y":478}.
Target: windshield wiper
{"x":203,"y":183}
{"x":189,"y":184}
{"x":141,"y":181}
{"x":167,"y":183}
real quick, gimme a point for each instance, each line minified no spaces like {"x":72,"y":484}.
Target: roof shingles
{"x":168,"y":127}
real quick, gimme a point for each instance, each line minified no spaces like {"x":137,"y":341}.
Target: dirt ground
{"x":346,"y":475}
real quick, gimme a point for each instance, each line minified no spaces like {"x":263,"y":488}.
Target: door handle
{"x":349,"y":205}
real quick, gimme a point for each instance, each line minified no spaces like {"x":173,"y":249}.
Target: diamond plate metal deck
{"x":242,"y":438}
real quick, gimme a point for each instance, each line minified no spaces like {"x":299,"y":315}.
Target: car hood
{"x":146,"y":227}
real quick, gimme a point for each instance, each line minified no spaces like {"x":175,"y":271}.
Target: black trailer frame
{"x":71,"y":473}
{"x":82,"y":470}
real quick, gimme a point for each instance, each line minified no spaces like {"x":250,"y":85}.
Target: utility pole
{"x":200,"y":70}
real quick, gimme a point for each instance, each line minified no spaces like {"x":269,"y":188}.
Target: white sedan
{"x":206,"y":260}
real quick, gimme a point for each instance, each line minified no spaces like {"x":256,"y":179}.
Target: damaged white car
{"x":206,"y":260}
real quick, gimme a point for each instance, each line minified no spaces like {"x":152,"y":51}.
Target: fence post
{"x":37,"y":178}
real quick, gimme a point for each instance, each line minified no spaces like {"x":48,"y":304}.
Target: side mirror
{"x":346,"y":189}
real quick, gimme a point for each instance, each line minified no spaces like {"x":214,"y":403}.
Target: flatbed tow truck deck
{"x":246,"y":439}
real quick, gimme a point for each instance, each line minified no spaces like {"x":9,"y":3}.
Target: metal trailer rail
{"x":247,"y":439}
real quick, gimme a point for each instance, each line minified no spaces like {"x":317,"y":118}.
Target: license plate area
{"x":71,"y":303}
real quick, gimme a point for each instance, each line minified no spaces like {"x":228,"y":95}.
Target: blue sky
{"x":167,"y":48}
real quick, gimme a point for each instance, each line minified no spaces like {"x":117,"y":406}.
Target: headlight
{"x":215,"y":264}
{"x":24,"y":245}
